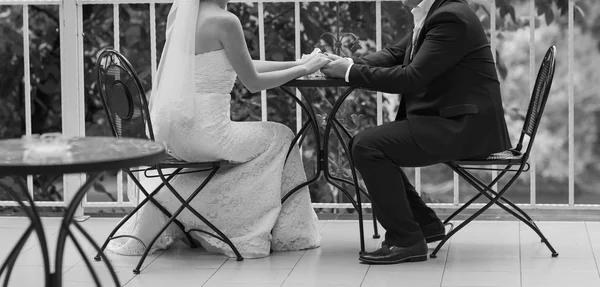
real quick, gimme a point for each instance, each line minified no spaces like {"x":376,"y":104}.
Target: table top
{"x":316,"y":82}
{"x":86,"y":154}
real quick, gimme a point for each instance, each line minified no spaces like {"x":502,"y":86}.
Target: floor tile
{"x":285,"y":260}
{"x":557,"y":264}
{"x":317,"y":284}
{"x":432,"y":264}
{"x":250,"y":276}
{"x":121,"y":261}
{"x":26,"y":276}
{"x":564,"y":249}
{"x":488,"y":232}
{"x":461,"y":264}
{"x":316,"y":276}
{"x":388,"y":277}
{"x":182,"y":255}
{"x":82,"y":274}
{"x":330,"y":262}
{"x":342,"y":237}
{"x":171,"y":276}
{"x":33,"y":257}
{"x":239,"y":285}
{"x":81,"y":284}
{"x":483,"y":249}
{"x":560,"y":279}
{"x":481,"y":278}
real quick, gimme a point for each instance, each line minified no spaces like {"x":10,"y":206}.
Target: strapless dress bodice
{"x":213,"y":73}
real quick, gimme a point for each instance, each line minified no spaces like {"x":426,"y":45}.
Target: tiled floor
{"x":487,"y":253}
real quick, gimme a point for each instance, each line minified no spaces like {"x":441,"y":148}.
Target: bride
{"x":204,"y":52}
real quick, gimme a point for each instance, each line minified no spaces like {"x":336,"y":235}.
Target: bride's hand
{"x":316,"y":63}
{"x":307,"y":57}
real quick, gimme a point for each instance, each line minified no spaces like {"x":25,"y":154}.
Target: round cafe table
{"x":322,"y":140}
{"x":92,"y":155}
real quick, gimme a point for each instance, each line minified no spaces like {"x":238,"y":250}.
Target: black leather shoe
{"x":390,"y":254}
{"x":434,"y":231}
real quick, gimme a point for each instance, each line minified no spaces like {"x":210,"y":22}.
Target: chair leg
{"x":148,"y":197}
{"x":482,"y":188}
{"x":472,"y":200}
{"x":158,"y":205}
{"x":459,"y":227}
{"x":376,"y":234}
{"x":461,"y":209}
{"x":499,"y":196}
{"x":185,"y":204}
{"x":111,"y":236}
{"x":531,"y":225}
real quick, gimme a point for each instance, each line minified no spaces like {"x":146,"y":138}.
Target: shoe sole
{"x":416,"y":258}
{"x":434,"y":238}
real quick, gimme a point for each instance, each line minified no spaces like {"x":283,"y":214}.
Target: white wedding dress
{"x":243,"y":201}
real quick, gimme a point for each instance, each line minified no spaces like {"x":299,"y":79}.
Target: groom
{"x":450,"y":109}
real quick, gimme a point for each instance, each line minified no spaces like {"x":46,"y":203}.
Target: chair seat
{"x":505,"y":158}
{"x":171,"y":162}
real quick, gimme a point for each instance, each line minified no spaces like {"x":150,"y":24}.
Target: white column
{"x":72,"y":102}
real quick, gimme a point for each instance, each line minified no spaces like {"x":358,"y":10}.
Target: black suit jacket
{"x":450,"y":93}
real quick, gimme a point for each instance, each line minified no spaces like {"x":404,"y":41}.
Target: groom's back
{"x":466,"y":97}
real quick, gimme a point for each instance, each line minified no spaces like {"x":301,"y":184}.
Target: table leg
{"x":65,"y":233}
{"x":351,"y":163}
{"x":10,"y":261}
{"x":358,"y":203}
{"x":322,"y":158}
{"x":36,"y":225}
{"x":310,"y":123}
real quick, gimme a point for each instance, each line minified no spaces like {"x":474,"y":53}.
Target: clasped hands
{"x":331,"y":65}
{"x":337,"y":68}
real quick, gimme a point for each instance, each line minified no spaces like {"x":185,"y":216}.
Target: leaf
{"x":563,"y":6}
{"x":549,"y":17}
{"x":5,"y":14}
{"x":542,"y":6}
{"x":511,"y":11}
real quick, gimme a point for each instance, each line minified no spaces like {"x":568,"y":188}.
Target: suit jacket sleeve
{"x":444,"y":46}
{"x":386,"y":57}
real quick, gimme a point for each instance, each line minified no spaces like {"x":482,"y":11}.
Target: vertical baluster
{"x":571,"y":95}
{"x":532,"y":74}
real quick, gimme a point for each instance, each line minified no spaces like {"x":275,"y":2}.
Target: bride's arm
{"x":232,"y":39}
{"x":270,"y":66}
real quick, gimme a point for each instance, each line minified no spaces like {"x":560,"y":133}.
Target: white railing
{"x":71,"y":33}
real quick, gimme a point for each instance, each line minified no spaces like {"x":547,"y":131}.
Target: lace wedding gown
{"x":244,"y":201}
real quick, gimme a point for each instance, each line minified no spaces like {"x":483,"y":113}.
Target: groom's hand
{"x":336,"y":69}
{"x":333,"y":57}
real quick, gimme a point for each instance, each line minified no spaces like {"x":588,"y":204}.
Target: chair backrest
{"x":123,"y":96}
{"x":541,"y":90}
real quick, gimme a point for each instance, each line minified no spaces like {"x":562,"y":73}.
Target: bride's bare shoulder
{"x":217,"y":16}
{"x":226,"y":19}
{"x":216,"y":22}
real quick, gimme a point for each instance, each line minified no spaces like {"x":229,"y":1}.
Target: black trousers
{"x":379,"y":153}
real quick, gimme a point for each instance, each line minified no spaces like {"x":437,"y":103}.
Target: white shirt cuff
{"x":347,"y":78}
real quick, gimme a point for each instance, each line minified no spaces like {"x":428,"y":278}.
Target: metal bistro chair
{"x":126,"y":106}
{"x":508,"y":159}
